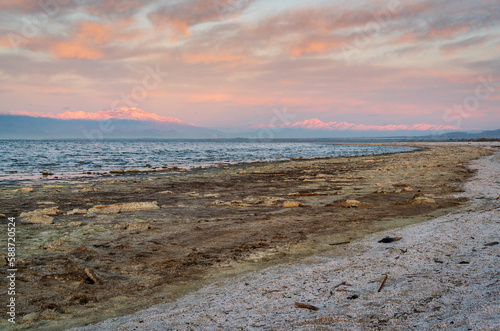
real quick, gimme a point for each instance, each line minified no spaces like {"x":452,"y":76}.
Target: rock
{"x":193,"y":194}
{"x":92,"y":275}
{"x":220,"y":203}
{"x":52,"y":211}
{"x":421,"y":195}
{"x":422,"y":201}
{"x":351,"y":204}
{"x":166,"y":192}
{"x":40,"y":216}
{"x":122,"y":207}
{"x":134,"y":170}
{"x":243,"y":172}
{"x":292,"y":204}
{"x":31,"y":317}
{"x":117,"y":171}
{"x":46,"y":173}
{"x":26,"y":189}
{"x":2,"y":216}
{"x":87,"y":189}
{"x":407,"y":189}
{"x":210,"y":195}
{"x":75,"y":223}
{"x":382,"y":191}
{"x":46,"y":203}
{"x":138,"y":226}
{"x":38,"y":219}
{"x":77,"y":211}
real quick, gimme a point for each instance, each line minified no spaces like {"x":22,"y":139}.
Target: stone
{"x":87,"y":189}
{"x":422,"y":201}
{"x":138,"y":226}
{"x":423,"y":195}
{"x":31,"y":317}
{"x":46,"y":173}
{"x":211,"y":195}
{"x":75,"y":223}
{"x":351,"y":204}
{"x":26,"y":189}
{"x":117,"y":171}
{"x":52,"y":211}
{"x":76,"y":211}
{"x":292,"y":204}
{"x":92,"y":275}
{"x":382,"y":191}
{"x":122,"y":207}
{"x":220,"y":203}
{"x":166,"y":192}
{"x":45,"y":203}
{"x":2,"y":216}
{"x":38,"y":219}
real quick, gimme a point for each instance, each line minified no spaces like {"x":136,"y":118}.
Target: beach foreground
{"x":94,"y":262}
{"x":442,"y":274}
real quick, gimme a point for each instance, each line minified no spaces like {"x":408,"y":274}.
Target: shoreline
{"x":173,"y":170}
{"x":442,"y":274}
{"x":212,"y":225}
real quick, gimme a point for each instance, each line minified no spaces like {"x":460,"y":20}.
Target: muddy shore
{"x":107,"y":248}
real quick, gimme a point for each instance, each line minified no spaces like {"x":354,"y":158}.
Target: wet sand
{"x":206,"y":225}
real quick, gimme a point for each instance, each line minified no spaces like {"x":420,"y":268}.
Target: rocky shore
{"x":438,"y":275}
{"x":92,"y":250}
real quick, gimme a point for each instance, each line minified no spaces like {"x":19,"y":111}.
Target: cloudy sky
{"x":235,"y":63}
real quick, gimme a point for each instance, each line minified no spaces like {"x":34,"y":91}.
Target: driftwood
{"x":383,"y":283}
{"x":387,"y":240}
{"x":340,"y":243}
{"x":306,"y":306}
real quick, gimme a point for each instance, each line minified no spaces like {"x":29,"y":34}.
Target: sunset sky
{"x":233,"y":64}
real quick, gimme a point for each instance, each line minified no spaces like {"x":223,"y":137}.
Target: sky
{"x":240,"y":64}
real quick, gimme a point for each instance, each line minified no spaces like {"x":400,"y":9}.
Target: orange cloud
{"x":76,"y":50}
{"x":91,"y":38}
{"x":212,"y":57}
{"x":312,"y":46}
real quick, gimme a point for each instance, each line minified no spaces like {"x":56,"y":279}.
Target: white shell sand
{"x":430,"y":285}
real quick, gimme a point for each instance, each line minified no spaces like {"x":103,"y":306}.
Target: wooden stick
{"x":306,"y":306}
{"x":340,"y":243}
{"x":383,"y":283}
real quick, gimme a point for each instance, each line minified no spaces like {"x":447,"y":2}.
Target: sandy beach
{"x":237,"y":248}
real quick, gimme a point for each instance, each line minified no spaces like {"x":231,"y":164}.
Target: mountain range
{"x":137,"y":123}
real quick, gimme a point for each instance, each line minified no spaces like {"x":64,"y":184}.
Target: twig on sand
{"x":306,"y":306}
{"x":492,"y":209}
{"x":340,"y":243}
{"x":383,"y":283}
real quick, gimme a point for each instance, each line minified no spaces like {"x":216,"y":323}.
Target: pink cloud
{"x":118,"y":113}
{"x":316,"y":124}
